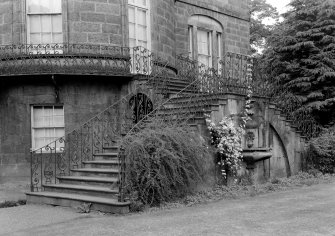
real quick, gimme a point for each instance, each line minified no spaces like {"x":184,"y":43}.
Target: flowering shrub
{"x":226,"y":137}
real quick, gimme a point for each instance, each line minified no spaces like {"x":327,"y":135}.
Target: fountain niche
{"x":256,"y":154}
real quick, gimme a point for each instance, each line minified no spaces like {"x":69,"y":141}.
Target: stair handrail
{"x":59,"y":156}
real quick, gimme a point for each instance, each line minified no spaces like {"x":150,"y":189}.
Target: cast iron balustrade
{"x":233,"y":75}
{"x":81,"y":59}
{"x":201,"y":84}
{"x":104,"y":130}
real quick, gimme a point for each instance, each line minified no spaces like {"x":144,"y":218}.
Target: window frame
{"x":205,"y":23}
{"x":28,"y":19}
{"x":34,"y":128}
{"x":146,"y":7}
{"x":209,"y":35}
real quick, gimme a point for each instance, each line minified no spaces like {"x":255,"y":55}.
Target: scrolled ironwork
{"x":28,"y":59}
{"x":59,"y":157}
{"x":199,"y":85}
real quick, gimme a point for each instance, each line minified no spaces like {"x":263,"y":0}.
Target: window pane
{"x":58,"y":121}
{"x":131,"y":1}
{"x":34,"y":23}
{"x":46,"y":6}
{"x":131,"y":30}
{"x":35,"y":38}
{"x":142,"y":33}
{"x":203,"y":42}
{"x":46,"y":23}
{"x":59,"y":132}
{"x":56,"y":6}
{"x":57,"y":23}
{"x":49,"y":133}
{"x":142,"y":44}
{"x":141,"y":17}
{"x":46,"y":38}
{"x":142,"y":2}
{"x":33,"y":6}
{"x":219,"y":47}
{"x":39,"y":142}
{"x":190,"y":42}
{"x":131,"y":14}
{"x":57,"y":38}
{"x":132,"y":43}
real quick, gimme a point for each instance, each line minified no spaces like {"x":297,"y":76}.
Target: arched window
{"x":205,"y":40}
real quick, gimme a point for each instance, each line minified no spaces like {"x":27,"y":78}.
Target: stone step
{"x":75,"y":200}
{"x":105,"y":156}
{"x":199,"y":97}
{"x":87,"y":180}
{"x":96,"y":172}
{"x":111,"y":149}
{"x":97,"y":191}
{"x":101,"y":163}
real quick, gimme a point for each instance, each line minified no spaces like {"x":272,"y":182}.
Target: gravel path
{"x":303,"y":211}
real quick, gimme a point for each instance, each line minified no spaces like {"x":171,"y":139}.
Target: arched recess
{"x":205,"y":40}
{"x":278,"y":151}
{"x":140,"y":105}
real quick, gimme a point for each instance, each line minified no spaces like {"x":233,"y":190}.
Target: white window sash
{"x":202,"y":55}
{"x":139,"y":42}
{"x":47,"y":128}
{"x":53,"y":33}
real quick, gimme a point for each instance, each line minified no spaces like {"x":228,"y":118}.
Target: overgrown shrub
{"x":164,"y":163}
{"x":321,"y":152}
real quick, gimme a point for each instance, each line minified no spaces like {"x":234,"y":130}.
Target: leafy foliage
{"x":322,"y":152}
{"x":226,"y":138}
{"x":163,"y":163}
{"x":259,"y":32}
{"x":301,"y":55}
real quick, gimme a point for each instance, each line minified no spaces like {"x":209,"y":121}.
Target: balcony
{"x":76,"y":59}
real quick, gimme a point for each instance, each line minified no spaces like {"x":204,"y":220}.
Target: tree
{"x":301,"y":54}
{"x":259,"y":32}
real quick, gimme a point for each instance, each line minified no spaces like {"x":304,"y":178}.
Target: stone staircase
{"x":96,"y":182}
{"x":288,"y":131}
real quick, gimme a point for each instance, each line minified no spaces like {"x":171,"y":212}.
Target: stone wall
{"x":273,"y":134}
{"x":12,"y":22}
{"x":82,"y":98}
{"x":95,"y":22}
{"x":162,"y":28}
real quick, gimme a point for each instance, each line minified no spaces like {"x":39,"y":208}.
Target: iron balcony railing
{"x":235,"y":74}
{"x":27,"y":59}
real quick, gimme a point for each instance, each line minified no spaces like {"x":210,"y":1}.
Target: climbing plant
{"x":226,"y":137}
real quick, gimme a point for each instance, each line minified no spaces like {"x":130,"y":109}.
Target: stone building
{"x":78,"y":75}
{"x":39,"y":102}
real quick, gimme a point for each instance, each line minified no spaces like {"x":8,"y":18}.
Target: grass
{"x":236,"y":191}
{"x":6,"y":204}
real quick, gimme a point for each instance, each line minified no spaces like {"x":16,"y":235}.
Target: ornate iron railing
{"x":232,"y":75}
{"x":74,"y":59}
{"x":103,"y":130}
